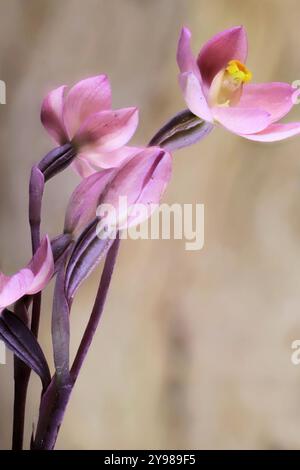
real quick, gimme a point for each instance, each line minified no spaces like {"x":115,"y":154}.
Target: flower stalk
{"x":56,"y":399}
{"x":21,"y":380}
{"x":22,"y":371}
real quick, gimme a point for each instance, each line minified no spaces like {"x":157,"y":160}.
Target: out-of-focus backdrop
{"x":194,"y":349}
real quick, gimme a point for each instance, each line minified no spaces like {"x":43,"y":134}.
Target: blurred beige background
{"x":194,"y":347}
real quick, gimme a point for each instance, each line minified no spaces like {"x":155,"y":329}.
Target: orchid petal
{"x":276,"y":98}
{"x":42,"y":266}
{"x":82,"y":167}
{"x":87,"y":97}
{"x":194,"y":96}
{"x":275,"y":132}
{"x":185,"y":58}
{"x":52,"y":115}
{"x":219,"y":50}
{"x":107,"y":130}
{"x":29,"y":280}
{"x":142,"y":181}
{"x":242,"y":120}
{"x":85,"y":200}
{"x":153,"y":191}
{"x":14,"y":287}
{"x":190,"y":79}
{"x":106,"y":160}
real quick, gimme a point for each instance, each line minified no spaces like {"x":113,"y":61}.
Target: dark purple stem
{"x":21,"y":380}
{"x":54,"y":162}
{"x":56,"y":399}
{"x":22,"y":371}
{"x":97,"y":309}
{"x":52,"y":410}
{"x":36,"y":190}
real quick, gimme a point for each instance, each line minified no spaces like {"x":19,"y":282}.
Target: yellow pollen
{"x":238,"y":71}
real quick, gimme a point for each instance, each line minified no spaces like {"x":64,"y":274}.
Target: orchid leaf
{"x":21,"y":341}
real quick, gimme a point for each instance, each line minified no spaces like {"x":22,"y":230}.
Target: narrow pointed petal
{"x":219,"y":50}
{"x":242,"y":120}
{"x":142,"y":180}
{"x":82,"y":167}
{"x":185,"y":57}
{"x":275,"y":98}
{"x":87,"y":97}
{"x":190,"y":79}
{"x":41,"y":266}
{"x":194,"y":96}
{"x":153,"y":191}
{"x":29,"y":280}
{"x":52,"y":115}
{"x":276,"y":132}
{"x":84,"y":201}
{"x":107,"y":130}
{"x":14,"y":287}
{"x":96,"y":161}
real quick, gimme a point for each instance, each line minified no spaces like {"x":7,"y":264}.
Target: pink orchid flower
{"x":29,"y":280}
{"x":216,"y":88}
{"x":83,"y":116}
{"x":112,"y":160}
{"x":109,"y":201}
{"x":142,"y":181}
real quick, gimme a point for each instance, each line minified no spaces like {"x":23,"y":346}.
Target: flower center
{"x":238,"y":72}
{"x":227,"y":86}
